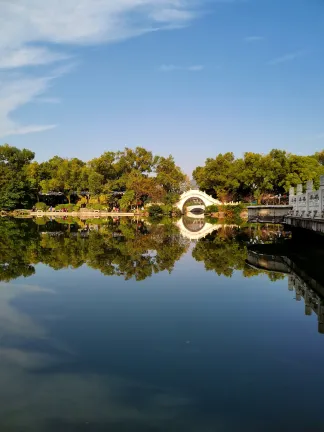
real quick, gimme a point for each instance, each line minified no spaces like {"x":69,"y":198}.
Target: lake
{"x":132,"y":325}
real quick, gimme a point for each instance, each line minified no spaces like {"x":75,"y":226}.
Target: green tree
{"x":127,"y":199}
{"x":220,"y":176}
{"x":15,"y":189}
{"x":168,"y":175}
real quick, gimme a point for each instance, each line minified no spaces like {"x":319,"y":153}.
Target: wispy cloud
{"x":286,"y":58}
{"x":15,"y":92}
{"x":29,"y":56}
{"x":30,"y":30}
{"x":172,"y":68}
{"x":251,"y":39}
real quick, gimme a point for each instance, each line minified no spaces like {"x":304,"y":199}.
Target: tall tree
{"x":15,"y":189}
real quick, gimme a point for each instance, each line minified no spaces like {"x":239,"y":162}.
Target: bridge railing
{"x":308,"y":204}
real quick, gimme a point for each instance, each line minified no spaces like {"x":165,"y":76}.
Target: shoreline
{"x":94,"y":213}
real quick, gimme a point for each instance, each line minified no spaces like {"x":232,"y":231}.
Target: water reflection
{"x":127,"y":248}
{"x":188,"y":349}
{"x":299,"y":279}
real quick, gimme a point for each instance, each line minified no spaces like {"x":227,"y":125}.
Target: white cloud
{"x":171,"y":68}
{"x":28,"y":56}
{"x":15,"y":92}
{"x":38,"y":33}
{"x":286,"y":58}
{"x":80,"y":22}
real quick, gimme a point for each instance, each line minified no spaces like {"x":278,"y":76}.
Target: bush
{"x":212,"y":209}
{"x":155,"y":211}
{"x":176,"y":212}
{"x":96,"y":206}
{"x":41,"y":206}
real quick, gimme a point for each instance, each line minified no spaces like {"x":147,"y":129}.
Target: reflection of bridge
{"x":303,"y":284}
{"x":196,"y":228}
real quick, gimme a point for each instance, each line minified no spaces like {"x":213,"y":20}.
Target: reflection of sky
{"x":187,"y":351}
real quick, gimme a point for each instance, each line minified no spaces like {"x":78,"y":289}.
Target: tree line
{"x":257,"y":176}
{"x":123,"y":178}
{"x":134,"y":177}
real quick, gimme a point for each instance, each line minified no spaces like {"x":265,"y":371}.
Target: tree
{"x":168,"y":175}
{"x":144,"y":187}
{"x":15,"y":189}
{"x":127,"y":199}
{"x":105,"y":165}
{"x":95,"y":183}
{"x":140,"y":160}
{"x":257,"y":176}
{"x":219,"y":176}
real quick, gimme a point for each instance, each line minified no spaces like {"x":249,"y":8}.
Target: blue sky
{"x":188,"y":77}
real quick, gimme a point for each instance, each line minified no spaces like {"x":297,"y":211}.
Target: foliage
{"x":225,"y":251}
{"x":68,"y":207}
{"x":212,"y":209}
{"x":127,"y":200}
{"x":255,"y":176}
{"x":143,"y":176}
{"x":169,"y":210}
{"x":155,"y":211}
{"x":41,"y":206}
{"x":15,"y":188}
{"x":96,"y":206}
{"x":125,"y":248}
{"x":137,"y":177}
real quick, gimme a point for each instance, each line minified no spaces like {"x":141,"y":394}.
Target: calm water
{"x":129,"y":326}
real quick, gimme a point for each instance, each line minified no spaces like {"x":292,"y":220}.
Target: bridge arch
{"x":195,"y":230}
{"x":207,"y":200}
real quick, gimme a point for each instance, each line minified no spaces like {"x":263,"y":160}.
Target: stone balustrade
{"x":308,"y":204}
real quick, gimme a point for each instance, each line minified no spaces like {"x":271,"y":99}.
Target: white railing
{"x":308,"y":204}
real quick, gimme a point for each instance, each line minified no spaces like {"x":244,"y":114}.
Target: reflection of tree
{"x":16,"y":248}
{"x":221,"y":256}
{"x":137,"y":252}
{"x":123,"y":248}
{"x":225,"y":251}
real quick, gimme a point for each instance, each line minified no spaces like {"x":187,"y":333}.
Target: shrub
{"x":41,"y":206}
{"x":212,"y":209}
{"x":41,"y":220}
{"x":155,"y":211}
{"x":176,"y":212}
{"x":96,"y":206}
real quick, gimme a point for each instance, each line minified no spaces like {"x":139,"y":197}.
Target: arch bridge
{"x":204,"y":200}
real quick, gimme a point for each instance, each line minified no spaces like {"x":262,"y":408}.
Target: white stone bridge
{"x":204,"y":199}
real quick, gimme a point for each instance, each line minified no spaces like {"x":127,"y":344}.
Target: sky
{"x":191,"y":78}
